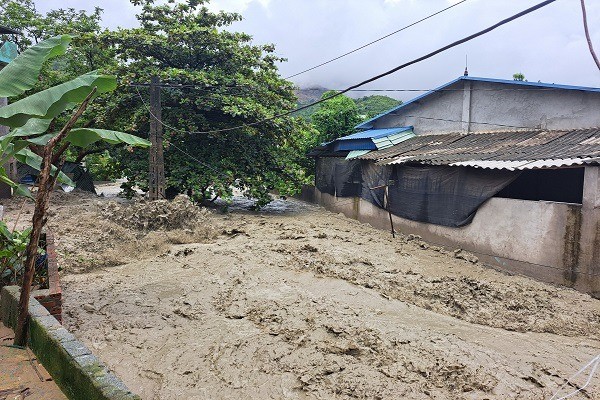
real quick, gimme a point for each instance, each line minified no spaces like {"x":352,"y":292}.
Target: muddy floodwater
{"x":299,"y":303}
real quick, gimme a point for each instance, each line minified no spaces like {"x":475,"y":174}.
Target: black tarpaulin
{"x":347,"y":179}
{"x":338,"y":177}
{"x":324,"y":173}
{"x":442,"y":195}
{"x":374,"y":176}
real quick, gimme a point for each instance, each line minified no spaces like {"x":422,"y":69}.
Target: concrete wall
{"x":536,"y":238}
{"x":78,"y":373}
{"x":518,"y":106}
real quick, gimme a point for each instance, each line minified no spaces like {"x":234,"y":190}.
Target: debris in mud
{"x":145,"y":215}
{"x":184,"y":252}
{"x":265,"y":316}
{"x":309,"y":248}
{"x":463,"y":255}
{"x":233,"y":232}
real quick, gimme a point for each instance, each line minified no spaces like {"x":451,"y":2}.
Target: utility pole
{"x":157,"y":161}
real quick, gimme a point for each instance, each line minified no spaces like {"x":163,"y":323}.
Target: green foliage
{"x":51,"y":102}
{"x":335,"y":118}
{"x":102,"y":167}
{"x":519,"y":77}
{"x":23,"y":75}
{"x":371,"y":106}
{"x":34,"y":114}
{"x":86,"y":52}
{"x":12,"y":253}
{"x":234,"y":83}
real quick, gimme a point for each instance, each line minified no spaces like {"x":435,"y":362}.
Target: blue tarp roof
{"x":369,"y":123}
{"x":376,"y":133}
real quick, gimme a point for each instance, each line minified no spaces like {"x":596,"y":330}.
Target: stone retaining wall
{"x":78,"y":373}
{"x":51,"y":298}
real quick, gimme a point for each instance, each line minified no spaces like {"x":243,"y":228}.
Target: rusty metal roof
{"x":5,"y":29}
{"x":513,"y":150}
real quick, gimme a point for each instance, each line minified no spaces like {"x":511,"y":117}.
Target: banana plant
{"x":30,"y":120}
{"x":12,"y":249}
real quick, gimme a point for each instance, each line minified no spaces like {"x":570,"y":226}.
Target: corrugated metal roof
{"x":375,"y":139}
{"x":524,"y":149}
{"x":369,"y":123}
{"x":392,"y":140}
{"x":356,"y":153}
{"x":376,"y":133}
{"x":354,"y":144}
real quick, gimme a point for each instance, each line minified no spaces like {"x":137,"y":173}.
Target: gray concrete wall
{"x":586,"y":272}
{"x":536,"y":238}
{"x":78,"y":373}
{"x":509,"y":105}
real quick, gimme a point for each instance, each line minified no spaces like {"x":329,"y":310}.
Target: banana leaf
{"x":22,"y":73}
{"x":49,"y":103}
{"x":83,"y":137}
{"x":28,"y":157}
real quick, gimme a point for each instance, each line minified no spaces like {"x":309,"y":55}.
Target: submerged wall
{"x":539,"y":239}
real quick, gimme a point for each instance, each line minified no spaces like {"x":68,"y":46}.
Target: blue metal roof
{"x":376,"y":133}
{"x":356,"y":144}
{"x":369,"y":123}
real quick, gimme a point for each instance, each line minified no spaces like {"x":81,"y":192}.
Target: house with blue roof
{"x":508,"y":170}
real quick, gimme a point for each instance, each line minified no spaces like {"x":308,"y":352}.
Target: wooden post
{"x":157,"y":162}
{"x":386,"y":201}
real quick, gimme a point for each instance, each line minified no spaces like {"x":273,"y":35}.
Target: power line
{"x":384,"y":74}
{"x":374,"y":41}
{"x":213,"y":89}
{"x":466,"y":122}
{"x":175,"y":146}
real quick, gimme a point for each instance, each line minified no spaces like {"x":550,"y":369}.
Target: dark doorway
{"x":560,"y":185}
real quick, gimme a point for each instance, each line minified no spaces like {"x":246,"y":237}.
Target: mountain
{"x":307,"y":96}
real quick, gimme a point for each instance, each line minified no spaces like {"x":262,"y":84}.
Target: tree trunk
{"x":42,"y":201}
{"x":46,"y":185}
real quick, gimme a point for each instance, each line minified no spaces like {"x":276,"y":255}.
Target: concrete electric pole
{"x":157,"y":162}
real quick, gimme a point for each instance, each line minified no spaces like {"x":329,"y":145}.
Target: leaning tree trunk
{"x":46,"y":185}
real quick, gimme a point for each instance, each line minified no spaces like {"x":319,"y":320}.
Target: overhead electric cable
{"x":468,"y":122}
{"x":374,"y":41}
{"x":384,"y":74}
{"x":212,"y":90}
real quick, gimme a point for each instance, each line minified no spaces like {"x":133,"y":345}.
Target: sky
{"x":548,"y":45}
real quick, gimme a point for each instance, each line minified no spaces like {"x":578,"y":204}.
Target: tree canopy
{"x":370,"y":106}
{"x":336,"y":117}
{"x":227,"y":81}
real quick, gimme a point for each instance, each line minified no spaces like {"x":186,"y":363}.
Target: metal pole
{"x":157,"y":163}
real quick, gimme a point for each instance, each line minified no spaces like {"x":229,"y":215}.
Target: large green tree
{"x":370,"y":106}
{"x":226,"y":82}
{"x":335,"y":118}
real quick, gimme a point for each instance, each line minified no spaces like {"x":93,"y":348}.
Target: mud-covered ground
{"x":300,"y":303}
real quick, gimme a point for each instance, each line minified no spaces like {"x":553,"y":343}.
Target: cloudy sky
{"x":548,"y":45}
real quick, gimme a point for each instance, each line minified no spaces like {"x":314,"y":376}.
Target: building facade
{"x":507,"y":170}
